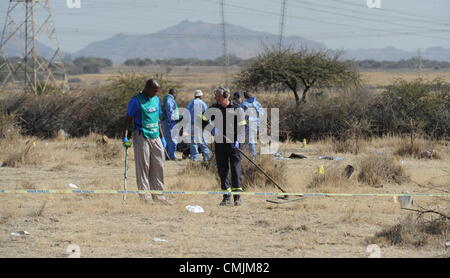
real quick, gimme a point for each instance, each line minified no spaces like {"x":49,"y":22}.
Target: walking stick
{"x":285,"y":198}
{"x":256,"y":165}
{"x":125,"y":175}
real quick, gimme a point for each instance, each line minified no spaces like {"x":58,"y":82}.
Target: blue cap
{"x":237,"y":95}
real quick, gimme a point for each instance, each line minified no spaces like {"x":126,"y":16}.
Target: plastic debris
{"x":20,"y":233}
{"x":157,"y":239}
{"x":297,"y":156}
{"x":72,"y":185}
{"x":195,"y":209}
{"x":279,"y":156}
{"x":321,"y":169}
{"x":394,"y":159}
{"x":330,"y":157}
{"x":405,"y":201}
{"x":447,"y":244}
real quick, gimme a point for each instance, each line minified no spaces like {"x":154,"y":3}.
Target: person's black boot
{"x":226,"y":200}
{"x":237,"y":200}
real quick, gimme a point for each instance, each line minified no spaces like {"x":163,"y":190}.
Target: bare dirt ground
{"x":104,"y":226}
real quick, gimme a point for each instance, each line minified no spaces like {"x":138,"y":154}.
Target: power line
{"x":378,"y":21}
{"x":322,"y":21}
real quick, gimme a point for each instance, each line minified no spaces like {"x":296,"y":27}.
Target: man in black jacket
{"x":227,"y":136}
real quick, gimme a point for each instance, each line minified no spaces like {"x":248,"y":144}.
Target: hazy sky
{"x":343,"y":24}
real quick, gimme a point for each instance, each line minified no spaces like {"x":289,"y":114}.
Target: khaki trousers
{"x":149,"y":158}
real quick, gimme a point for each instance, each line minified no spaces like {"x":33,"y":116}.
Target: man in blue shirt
{"x":144,"y":112}
{"x":170,"y":116}
{"x":196,"y":108}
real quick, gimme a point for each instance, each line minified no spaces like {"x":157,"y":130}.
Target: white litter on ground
{"x":157,"y":239}
{"x":72,"y":185}
{"x":20,"y":233}
{"x":195,"y":209}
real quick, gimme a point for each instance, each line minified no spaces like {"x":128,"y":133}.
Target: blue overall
{"x":169,"y":117}
{"x":253,"y":123}
{"x":196,"y":108}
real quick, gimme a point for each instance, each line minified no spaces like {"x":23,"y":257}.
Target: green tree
{"x":298,"y":70}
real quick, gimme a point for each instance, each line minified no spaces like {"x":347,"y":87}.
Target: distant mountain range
{"x":394,"y":54}
{"x":204,"y":41}
{"x":15,"y":47}
{"x":189,"y":40}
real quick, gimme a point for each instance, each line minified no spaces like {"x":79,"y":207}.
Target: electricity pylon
{"x":282,"y":24}
{"x":419,"y":63}
{"x":27,"y":21}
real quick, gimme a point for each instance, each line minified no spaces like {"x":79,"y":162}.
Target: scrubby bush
{"x":379,"y":168}
{"x":22,"y":152}
{"x":101,"y":110}
{"x":333,"y":176}
{"x":410,"y":108}
{"x":252,"y":176}
{"x":83,"y":65}
{"x":326,"y":115}
{"x":9,"y":127}
{"x":417,"y":108}
{"x":415,"y":232}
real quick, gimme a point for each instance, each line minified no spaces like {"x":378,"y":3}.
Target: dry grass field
{"x":206,"y":78}
{"x":104,"y":226}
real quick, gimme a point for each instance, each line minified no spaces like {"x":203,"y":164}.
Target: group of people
{"x":152,"y":124}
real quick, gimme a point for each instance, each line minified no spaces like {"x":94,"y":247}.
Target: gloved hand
{"x":235,"y":145}
{"x":126,"y":142}
{"x":163,"y":141}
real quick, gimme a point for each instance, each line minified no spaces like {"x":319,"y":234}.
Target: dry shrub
{"x":333,"y":176}
{"x":375,"y":169}
{"x":60,"y":136}
{"x":40,"y":210}
{"x":63,"y":165}
{"x":352,"y":145}
{"x":9,"y":128}
{"x":22,"y":153}
{"x":108,"y":152}
{"x":415,"y":232}
{"x":416,"y":148}
{"x":251,"y":176}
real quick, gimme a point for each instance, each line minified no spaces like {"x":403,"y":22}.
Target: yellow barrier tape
{"x":78,"y":191}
